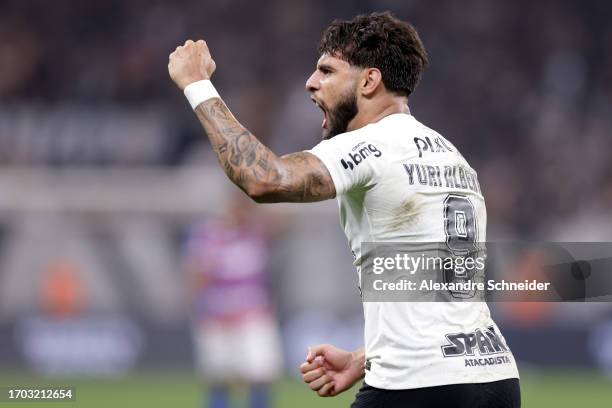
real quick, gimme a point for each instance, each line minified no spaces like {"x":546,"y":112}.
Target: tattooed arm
{"x":296,"y":177}
{"x":265,"y":177}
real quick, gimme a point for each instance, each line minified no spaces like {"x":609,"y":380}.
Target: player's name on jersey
{"x":442,"y":176}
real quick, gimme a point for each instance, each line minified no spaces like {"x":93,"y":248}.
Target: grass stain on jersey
{"x":404,"y":216}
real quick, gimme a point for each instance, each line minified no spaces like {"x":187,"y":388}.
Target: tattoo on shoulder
{"x":313,"y":181}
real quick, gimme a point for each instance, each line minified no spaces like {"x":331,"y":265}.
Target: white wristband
{"x":200,"y":91}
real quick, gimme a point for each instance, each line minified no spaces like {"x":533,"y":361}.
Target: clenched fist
{"x":190,"y":63}
{"x":329,"y":370}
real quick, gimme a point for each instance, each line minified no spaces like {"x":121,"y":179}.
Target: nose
{"x":312,"y":84}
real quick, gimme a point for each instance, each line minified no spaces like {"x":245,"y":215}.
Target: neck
{"x":367,"y":114}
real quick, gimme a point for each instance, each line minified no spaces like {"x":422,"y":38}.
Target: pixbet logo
{"x":360,"y":155}
{"x":426,"y":145}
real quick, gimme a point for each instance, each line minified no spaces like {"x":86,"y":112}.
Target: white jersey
{"x":395,"y":181}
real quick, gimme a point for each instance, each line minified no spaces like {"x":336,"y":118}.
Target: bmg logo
{"x":359,"y":156}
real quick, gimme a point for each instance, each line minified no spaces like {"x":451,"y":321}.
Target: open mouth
{"x":320,"y":106}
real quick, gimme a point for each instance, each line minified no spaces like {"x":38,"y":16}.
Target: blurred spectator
{"x":234,"y":331}
{"x":62,"y":290}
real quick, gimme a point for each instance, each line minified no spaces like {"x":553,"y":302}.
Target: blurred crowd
{"x":523,"y":88}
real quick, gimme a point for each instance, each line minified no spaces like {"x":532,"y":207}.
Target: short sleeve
{"x":351,"y":165}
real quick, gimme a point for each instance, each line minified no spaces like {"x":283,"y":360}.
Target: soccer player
{"x":235,"y":334}
{"x":380,"y":163}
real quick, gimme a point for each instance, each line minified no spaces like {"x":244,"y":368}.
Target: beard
{"x":339,"y":117}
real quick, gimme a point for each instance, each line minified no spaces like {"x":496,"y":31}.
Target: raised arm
{"x":264,"y":176}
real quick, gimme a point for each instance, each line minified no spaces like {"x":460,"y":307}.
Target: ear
{"x":371,"y":79}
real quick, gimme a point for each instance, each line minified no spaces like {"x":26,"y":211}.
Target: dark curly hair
{"x":379,"y":40}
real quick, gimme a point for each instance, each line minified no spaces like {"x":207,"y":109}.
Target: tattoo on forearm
{"x":246,"y":161}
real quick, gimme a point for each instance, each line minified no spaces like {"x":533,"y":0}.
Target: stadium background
{"x":104,"y":167}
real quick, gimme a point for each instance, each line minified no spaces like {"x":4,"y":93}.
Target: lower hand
{"x":329,"y":370}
